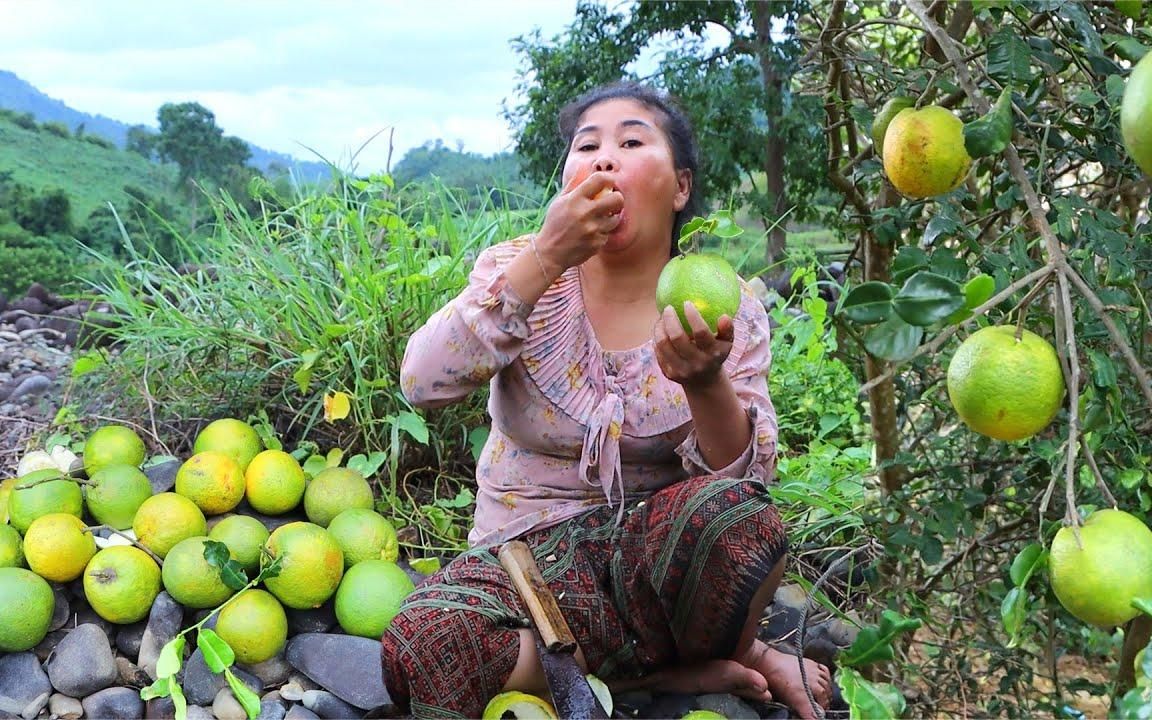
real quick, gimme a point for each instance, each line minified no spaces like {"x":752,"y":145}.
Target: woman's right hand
{"x":578,"y":222}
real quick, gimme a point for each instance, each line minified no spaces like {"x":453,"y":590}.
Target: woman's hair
{"x":672,"y":120}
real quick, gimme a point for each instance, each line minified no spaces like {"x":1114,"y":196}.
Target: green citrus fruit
{"x":312,"y":565}
{"x":333,"y":491}
{"x":57,"y":547}
{"x":370,"y":596}
{"x":244,"y":535}
{"x":708,"y":281}
{"x":364,"y":535}
{"x":11,"y":549}
{"x":212,"y":480}
{"x":40,"y":493}
{"x":255,"y":625}
{"x":26,"y":604}
{"x":1097,"y":580}
{"x":274,"y":482}
{"x":1136,"y":114}
{"x":924,"y":152}
{"x":112,"y":445}
{"x":520,"y":705}
{"x":1005,"y":388}
{"x":5,"y":492}
{"x":884,"y":118}
{"x":165,"y":519}
{"x":703,"y":715}
{"x":121,"y":582}
{"x":232,"y":437}
{"x":190,"y":579}
{"x":117,"y":493}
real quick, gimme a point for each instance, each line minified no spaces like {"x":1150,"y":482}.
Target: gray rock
{"x":83,"y":662}
{"x":670,"y":705}
{"x":312,"y":620}
{"x":24,"y":686}
{"x":164,"y":621}
{"x":272,"y":672}
{"x":728,"y":705}
{"x":836,"y":631}
{"x":201,"y":685}
{"x":329,"y":707}
{"x":61,"y":611}
{"x":347,"y":666}
{"x":198,"y":712}
{"x":64,"y":707}
{"x":629,"y":703}
{"x":299,"y":712}
{"x":130,"y":674}
{"x":227,"y":707}
{"x":128,"y":638}
{"x":271,"y":709}
{"x":160,"y":709}
{"x":162,"y":476}
{"x":83,"y":614}
{"x":48,"y":645}
{"x":114,"y":703}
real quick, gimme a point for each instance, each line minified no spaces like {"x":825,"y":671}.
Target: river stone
{"x":162,"y":476}
{"x":128,"y":638}
{"x":164,"y":621}
{"x":160,"y":709}
{"x":61,"y":611}
{"x":201,"y":685}
{"x":271,"y":709}
{"x":227,"y":707}
{"x":299,"y":712}
{"x":272,"y":672}
{"x":347,"y":666}
{"x":311,"y":620}
{"x":114,"y":703}
{"x":64,"y":707}
{"x":199,"y":712}
{"x":83,"y":662}
{"x":328,"y":706}
{"x":24,"y":686}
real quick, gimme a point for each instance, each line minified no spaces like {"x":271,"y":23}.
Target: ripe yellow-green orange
{"x":116,"y":494}
{"x":703,"y":715}
{"x":57,"y":547}
{"x":708,"y":281}
{"x":39,"y":493}
{"x":165,"y":519}
{"x":120,"y":583}
{"x":333,"y":491}
{"x":11,"y":547}
{"x":26,"y":604}
{"x":230,"y":436}
{"x":212,"y":480}
{"x":1097,"y":579}
{"x":312,"y":565}
{"x":244,"y":535}
{"x":112,"y":445}
{"x":1136,"y":114}
{"x":364,"y":535}
{"x":6,"y":490}
{"x":520,"y":705}
{"x":370,"y":596}
{"x":924,"y":152}
{"x":255,"y":625}
{"x":190,"y":579}
{"x":884,"y":118}
{"x":1005,"y":388}
{"x":274,"y":482}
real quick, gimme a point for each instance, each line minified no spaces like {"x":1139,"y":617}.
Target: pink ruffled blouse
{"x":574,"y":426}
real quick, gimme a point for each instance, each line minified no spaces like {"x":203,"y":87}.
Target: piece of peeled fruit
{"x":602,"y":693}
{"x":519,"y":705}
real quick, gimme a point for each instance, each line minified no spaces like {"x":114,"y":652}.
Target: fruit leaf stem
{"x":129,"y":538}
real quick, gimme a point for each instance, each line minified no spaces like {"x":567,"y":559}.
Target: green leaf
{"x":335,"y":330}
{"x":874,"y":643}
{"x":269,"y":566}
{"x":161,"y":688}
{"x":303,"y":374}
{"x":368,"y":465}
{"x":218,"y":654}
{"x":1012,"y":613}
{"x":1009,"y":58}
{"x":171,"y":657}
{"x":314,"y":464}
{"x":425,"y":566}
{"x":86,"y":363}
{"x":249,"y":700}
{"x":220,"y":557}
{"x":909,"y":261}
{"x":940,"y":225}
{"x":1131,"y":478}
{"x":893,"y":339}
{"x":726,"y":228}
{"x":868,"y":303}
{"x":1026,"y":562}
{"x":179,"y":701}
{"x":477,"y":437}
{"x":1144,"y":605}
{"x":1103,"y":369}
{"x":333,"y":458}
{"x":868,"y":700}
{"x":927,"y":297}
{"x":990,"y":134}
{"x":978,"y":291}
{"x":414,"y":425}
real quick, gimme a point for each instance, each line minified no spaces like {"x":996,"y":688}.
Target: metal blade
{"x":571,"y":692}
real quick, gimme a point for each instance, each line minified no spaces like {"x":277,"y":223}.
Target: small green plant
{"x":868,"y":700}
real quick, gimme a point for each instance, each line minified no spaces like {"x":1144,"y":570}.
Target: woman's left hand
{"x":695,"y":360}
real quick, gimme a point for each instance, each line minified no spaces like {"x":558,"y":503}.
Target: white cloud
{"x":287,"y":74}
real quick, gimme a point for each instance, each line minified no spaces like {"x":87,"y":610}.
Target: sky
{"x":292,"y":76}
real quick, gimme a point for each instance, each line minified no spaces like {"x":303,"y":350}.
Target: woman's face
{"x":622,"y":137}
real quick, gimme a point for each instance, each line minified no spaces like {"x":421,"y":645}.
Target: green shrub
{"x":46,"y":263}
{"x":58,"y":129}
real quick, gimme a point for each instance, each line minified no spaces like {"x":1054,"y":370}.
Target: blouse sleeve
{"x":465,"y":343}
{"x":749,"y":374}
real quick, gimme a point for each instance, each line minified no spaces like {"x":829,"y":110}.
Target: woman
{"x":629,"y":454}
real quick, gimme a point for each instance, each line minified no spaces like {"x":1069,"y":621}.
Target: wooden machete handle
{"x":516,"y":557}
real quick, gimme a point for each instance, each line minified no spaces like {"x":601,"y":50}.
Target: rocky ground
{"x":87,"y":667}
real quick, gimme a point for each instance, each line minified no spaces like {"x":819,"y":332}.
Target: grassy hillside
{"x":90,"y":174}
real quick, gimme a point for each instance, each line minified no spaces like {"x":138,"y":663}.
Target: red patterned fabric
{"x":670,"y":584}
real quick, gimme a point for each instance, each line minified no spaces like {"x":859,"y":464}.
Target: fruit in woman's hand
{"x":708,"y":281}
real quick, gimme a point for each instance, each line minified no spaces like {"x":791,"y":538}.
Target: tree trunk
{"x":774,"y":148}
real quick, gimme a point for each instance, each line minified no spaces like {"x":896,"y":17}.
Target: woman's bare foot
{"x":713,"y":676}
{"x":782,"y":673}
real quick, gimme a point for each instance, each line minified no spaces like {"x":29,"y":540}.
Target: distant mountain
{"x":19,"y":95}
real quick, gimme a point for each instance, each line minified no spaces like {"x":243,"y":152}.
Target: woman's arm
{"x":723,"y":429}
